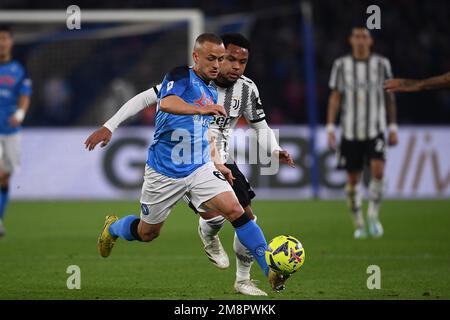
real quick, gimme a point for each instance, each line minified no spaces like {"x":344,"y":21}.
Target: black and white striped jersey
{"x":240,"y":99}
{"x":363,"y":104}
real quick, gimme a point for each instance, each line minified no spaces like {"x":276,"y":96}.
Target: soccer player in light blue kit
{"x":179,"y":161}
{"x":15,"y":91}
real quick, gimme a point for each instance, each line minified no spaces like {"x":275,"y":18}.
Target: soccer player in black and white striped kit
{"x":240,"y":97}
{"x":357,"y":82}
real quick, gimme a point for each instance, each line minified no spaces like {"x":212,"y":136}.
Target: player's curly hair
{"x":235,"y":38}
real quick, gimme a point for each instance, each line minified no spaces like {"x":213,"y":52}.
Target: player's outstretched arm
{"x":102,"y":135}
{"x":175,"y":105}
{"x":411,"y":85}
{"x":129,"y":109}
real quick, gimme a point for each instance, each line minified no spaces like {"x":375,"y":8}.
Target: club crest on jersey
{"x":235,"y":103}
{"x":169,"y":85}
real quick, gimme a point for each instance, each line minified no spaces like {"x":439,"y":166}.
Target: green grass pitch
{"x":44,"y":238}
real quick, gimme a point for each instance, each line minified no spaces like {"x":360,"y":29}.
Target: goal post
{"x":194,"y":17}
{"x":82,"y":75}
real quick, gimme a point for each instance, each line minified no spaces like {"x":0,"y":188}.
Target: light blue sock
{"x":252,"y":237}
{"x":122,"y":228}
{"x":4,"y":198}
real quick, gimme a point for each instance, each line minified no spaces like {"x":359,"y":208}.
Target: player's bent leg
{"x":376,"y":186}
{"x":148,"y":232}
{"x":209,"y":225}
{"x":114,"y":228}
{"x":248,"y":232}
{"x":208,"y":230}
{"x":244,"y":260}
{"x":130,"y":228}
{"x":249,"y":211}
{"x":208,"y":188}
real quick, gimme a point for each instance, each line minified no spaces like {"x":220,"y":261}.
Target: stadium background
{"x":81,"y":77}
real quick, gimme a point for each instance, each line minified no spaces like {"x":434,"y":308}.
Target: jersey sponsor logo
{"x":222,"y":122}
{"x":7,"y":80}
{"x":204,"y":121}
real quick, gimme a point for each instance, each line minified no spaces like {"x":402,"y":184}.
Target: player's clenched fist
{"x":213,"y":110}
{"x":102,"y":135}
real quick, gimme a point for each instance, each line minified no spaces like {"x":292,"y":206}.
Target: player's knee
{"x":378,"y":174}
{"x":235,"y":210}
{"x":4,"y":181}
{"x":352,"y":179}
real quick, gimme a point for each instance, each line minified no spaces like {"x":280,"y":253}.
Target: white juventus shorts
{"x":10,"y":152}
{"x":160,"y":193}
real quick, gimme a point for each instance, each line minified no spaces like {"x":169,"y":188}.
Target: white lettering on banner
{"x":55,"y":165}
{"x":425,"y":165}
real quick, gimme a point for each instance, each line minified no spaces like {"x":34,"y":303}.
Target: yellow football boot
{"x":106,"y":241}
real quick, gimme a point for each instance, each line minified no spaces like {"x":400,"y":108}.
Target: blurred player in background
{"x":411,"y":85}
{"x":240,"y":97}
{"x":15,"y":91}
{"x":185,"y":94}
{"x":356,"y":82}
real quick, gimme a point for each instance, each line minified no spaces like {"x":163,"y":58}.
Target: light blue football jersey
{"x":180,"y":144}
{"x":14,"y":83}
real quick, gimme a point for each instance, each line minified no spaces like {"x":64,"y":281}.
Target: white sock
{"x":244,"y":259}
{"x":354,"y":202}
{"x":375,"y":196}
{"x":211,"y":227}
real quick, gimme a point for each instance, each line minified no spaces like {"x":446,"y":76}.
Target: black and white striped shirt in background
{"x":363,"y":103}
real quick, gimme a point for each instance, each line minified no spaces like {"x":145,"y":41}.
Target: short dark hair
{"x":5,"y":28}
{"x":208,"y":37}
{"x":359,"y":26}
{"x":237,"y":39}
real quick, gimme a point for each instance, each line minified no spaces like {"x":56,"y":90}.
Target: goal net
{"x":81,"y":76}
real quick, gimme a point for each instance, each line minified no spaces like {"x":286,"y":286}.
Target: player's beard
{"x":224,"y":82}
